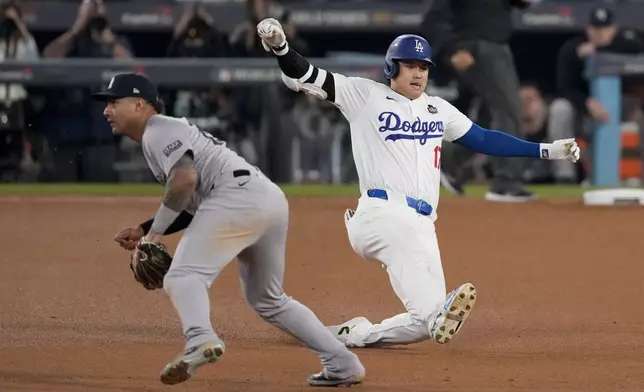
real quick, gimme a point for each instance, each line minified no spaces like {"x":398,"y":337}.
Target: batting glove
{"x":561,"y":149}
{"x":271,"y":33}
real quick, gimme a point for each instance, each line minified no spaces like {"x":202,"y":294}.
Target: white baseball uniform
{"x":396,"y":145}
{"x":238,"y":213}
{"x":397,"y":148}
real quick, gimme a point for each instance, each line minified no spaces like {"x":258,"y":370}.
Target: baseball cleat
{"x":323,"y":379}
{"x":183,"y":366}
{"x":453,"y":313}
{"x":342,"y":331}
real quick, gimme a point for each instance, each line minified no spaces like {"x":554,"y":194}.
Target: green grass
{"x":36,"y":189}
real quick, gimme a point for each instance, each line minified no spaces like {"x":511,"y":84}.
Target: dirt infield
{"x":559,"y":307}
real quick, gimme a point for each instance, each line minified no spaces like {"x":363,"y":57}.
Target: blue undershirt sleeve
{"x":491,"y":142}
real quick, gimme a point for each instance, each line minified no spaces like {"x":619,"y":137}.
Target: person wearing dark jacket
{"x":472,"y":37}
{"x":575,"y":107}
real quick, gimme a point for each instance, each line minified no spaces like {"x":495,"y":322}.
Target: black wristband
{"x":182,"y":221}
{"x":146,"y":225}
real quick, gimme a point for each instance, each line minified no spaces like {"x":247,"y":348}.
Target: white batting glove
{"x":271,"y":33}
{"x":561,"y":149}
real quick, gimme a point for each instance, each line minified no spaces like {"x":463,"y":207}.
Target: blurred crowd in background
{"x":60,"y":134}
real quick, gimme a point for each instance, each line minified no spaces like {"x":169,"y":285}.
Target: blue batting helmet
{"x":406,"y":47}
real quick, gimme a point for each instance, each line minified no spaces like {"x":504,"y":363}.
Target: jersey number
{"x":437,"y":157}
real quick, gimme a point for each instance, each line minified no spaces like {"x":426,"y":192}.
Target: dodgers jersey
{"x":396,"y":141}
{"x":166,"y":139}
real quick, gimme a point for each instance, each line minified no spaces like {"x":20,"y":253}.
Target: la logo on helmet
{"x":419,"y":46}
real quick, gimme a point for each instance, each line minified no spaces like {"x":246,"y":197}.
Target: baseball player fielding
{"x":397,"y":131}
{"x":229,"y":210}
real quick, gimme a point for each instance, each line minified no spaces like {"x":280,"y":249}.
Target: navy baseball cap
{"x":130,"y":85}
{"x":601,"y":16}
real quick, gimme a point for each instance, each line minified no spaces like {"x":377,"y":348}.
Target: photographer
{"x":16,"y":43}
{"x":264,"y":108}
{"x":83,"y":144}
{"x":90,"y":36}
{"x":197,"y":36}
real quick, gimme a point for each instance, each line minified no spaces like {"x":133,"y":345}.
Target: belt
{"x":241,"y":172}
{"x":421,"y":206}
{"x":236,"y":173}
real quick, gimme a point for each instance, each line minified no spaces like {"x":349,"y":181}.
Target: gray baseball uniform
{"x":238,"y":213}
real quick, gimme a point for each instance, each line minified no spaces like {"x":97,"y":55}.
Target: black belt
{"x":236,"y":173}
{"x":241,"y":172}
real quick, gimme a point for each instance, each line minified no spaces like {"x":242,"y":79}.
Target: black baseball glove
{"x":149,"y":263}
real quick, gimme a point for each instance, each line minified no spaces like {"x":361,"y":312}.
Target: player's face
{"x":412,"y":78}
{"x":121,"y":114}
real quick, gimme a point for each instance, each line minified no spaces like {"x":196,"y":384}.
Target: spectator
{"x":576,"y":109}
{"x":195,"y":35}
{"x":243,"y":39}
{"x":456,"y":160}
{"x":85,"y":149}
{"x":262,"y":107}
{"x":320,"y":130}
{"x":211,"y":109}
{"x":472,"y":37}
{"x":16,"y":43}
{"x":534,"y":128}
{"x":534,"y":113}
{"x":89,"y":36}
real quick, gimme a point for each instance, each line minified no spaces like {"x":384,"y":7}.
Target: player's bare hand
{"x":129,"y":237}
{"x":462,"y":60}
{"x":563,"y":149}
{"x":271,"y":33}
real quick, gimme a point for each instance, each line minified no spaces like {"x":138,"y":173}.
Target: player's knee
{"x":175,"y":278}
{"x":170,"y":281}
{"x":419,"y":316}
{"x":267,"y":306}
{"x":423,"y":312}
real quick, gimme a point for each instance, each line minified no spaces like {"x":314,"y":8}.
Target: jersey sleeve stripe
{"x":310,"y":75}
{"x":319,"y":81}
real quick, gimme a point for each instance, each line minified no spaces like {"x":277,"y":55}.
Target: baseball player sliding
{"x":397,"y":131}
{"x":228,"y":209}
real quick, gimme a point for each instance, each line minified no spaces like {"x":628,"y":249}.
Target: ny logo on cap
{"x":419,"y":46}
{"x":602,"y":14}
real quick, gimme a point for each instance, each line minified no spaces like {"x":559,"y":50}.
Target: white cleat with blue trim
{"x":452,"y":315}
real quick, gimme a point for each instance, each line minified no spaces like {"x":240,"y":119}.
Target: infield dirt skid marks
{"x":559,"y":288}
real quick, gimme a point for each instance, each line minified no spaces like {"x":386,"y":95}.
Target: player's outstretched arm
{"x":301,"y":75}
{"x":461,"y":130}
{"x":349,"y":94}
{"x":491,"y":142}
